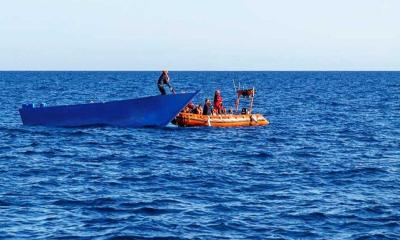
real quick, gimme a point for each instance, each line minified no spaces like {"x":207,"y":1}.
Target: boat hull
{"x":221,"y":120}
{"x":155,"y":111}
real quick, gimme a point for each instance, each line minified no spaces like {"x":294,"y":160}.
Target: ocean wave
{"x":325,"y":168}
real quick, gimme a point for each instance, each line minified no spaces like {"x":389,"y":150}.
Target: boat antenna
{"x":234,"y":85}
{"x":237,"y":94}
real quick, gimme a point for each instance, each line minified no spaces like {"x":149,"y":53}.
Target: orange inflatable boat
{"x":220,"y":120}
{"x":245,"y":118}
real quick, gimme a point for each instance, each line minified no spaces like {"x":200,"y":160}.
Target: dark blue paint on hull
{"x":155,"y":111}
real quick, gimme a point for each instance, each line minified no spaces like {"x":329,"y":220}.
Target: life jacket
{"x":218,"y":102}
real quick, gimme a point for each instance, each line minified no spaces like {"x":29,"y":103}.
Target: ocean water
{"x":327,"y":167}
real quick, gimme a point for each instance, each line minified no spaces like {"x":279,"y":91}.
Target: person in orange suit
{"x":218,"y":108}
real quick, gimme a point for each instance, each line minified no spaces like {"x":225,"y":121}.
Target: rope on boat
{"x":253,"y":118}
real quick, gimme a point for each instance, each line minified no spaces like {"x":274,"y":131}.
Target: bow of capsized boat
{"x":140,"y":112}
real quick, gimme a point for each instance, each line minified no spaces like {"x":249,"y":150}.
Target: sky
{"x":200,"y":35}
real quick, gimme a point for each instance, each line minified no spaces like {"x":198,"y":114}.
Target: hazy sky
{"x":200,"y":34}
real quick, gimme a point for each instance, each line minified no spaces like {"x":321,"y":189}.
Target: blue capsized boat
{"x":154,"y":111}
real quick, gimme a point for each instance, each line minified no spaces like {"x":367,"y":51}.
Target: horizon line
{"x":173,"y":70}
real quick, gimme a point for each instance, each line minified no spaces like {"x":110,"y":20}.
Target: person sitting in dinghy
{"x":164,"y":79}
{"x":189,"y":108}
{"x":207,"y":107}
{"x":198,"y":110}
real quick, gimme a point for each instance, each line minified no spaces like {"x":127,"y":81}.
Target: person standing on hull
{"x":164,"y":80}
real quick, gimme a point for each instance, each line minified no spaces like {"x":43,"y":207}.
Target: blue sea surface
{"x":327,"y":167}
